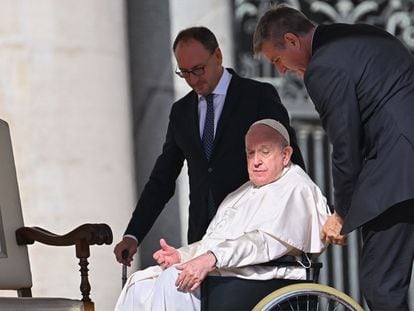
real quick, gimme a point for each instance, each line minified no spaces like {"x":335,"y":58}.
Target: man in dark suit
{"x":235,"y":104}
{"x":361,"y":80}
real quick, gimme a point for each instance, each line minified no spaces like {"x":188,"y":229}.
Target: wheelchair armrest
{"x":290,"y":261}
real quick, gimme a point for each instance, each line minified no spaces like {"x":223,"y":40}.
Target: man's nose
{"x":257,"y":160}
{"x":192,"y":79}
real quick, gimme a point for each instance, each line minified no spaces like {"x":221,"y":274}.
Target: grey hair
{"x":278,"y":21}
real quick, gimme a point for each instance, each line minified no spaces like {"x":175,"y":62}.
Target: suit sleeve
{"x":159,"y":188}
{"x":272,"y":107}
{"x":334,"y":95}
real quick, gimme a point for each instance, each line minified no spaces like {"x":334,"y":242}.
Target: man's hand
{"x":167,"y":255}
{"x":193,"y":272}
{"x":127,"y":244}
{"x":331,"y":231}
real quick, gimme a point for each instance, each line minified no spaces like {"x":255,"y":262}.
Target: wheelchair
{"x":220,"y":293}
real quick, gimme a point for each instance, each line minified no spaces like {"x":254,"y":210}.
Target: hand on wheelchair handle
{"x":331,"y":231}
{"x":125,"y":250}
{"x":125,"y":254}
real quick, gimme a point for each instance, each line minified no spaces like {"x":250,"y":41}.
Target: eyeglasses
{"x":186,"y":73}
{"x":198,"y":71}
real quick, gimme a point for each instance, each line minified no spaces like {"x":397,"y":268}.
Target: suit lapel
{"x":230,"y":103}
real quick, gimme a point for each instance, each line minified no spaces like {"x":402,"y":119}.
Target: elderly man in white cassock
{"x":279,"y":211}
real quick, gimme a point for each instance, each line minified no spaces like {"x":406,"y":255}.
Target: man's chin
{"x":300,"y":73}
{"x":258,"y":182}
{"x":203,"y":91}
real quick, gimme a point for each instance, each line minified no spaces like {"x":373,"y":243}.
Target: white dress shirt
{"x":219,"y":96}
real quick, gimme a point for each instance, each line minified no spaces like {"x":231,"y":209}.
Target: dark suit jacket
{"x":246,"y":101}
{"x":361,"y":80}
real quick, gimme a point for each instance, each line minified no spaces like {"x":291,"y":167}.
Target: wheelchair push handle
{"x":125,"y":255}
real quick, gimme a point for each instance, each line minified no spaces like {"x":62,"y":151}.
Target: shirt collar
{"x":313,"y":36}
{"x":223,"y":84}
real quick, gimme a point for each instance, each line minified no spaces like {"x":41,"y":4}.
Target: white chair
{"x":15,"y":271}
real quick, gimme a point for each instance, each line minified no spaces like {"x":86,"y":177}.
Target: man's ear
{"x":291,"y":39}
{"x":287,"y":154}
{"x":218,"y":54}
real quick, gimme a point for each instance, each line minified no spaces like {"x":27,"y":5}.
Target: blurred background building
{"x":86,"y":87}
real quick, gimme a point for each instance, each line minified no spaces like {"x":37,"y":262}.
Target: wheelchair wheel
{"x":307,"y":296}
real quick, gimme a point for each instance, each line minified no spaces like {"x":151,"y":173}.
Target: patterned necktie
{"x":208,"y":133}
{"x":207,"y":139}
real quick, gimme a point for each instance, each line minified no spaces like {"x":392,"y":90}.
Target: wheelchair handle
{"x":125,"y":255}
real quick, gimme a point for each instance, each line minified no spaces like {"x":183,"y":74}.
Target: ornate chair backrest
{"x":14,"y":260}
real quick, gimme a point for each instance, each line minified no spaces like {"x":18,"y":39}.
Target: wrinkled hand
{"x":193,"y":272}
{"x":167,"y":255}
{"x":127,"y":244}
{"x":331,"y":231}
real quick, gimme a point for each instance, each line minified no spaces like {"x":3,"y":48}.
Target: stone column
{"x":64,"y":91}
{"x":152,"y":97}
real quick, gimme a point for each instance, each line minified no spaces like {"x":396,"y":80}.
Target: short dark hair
{"x":201,"y":34}
{"x":278,"y":21}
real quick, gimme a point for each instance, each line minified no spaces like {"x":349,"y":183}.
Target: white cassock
{"x":252,"y":225}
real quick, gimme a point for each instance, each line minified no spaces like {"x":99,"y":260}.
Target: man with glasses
{"x":206,"y":128}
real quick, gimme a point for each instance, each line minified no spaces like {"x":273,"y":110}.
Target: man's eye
{"x":199,"y":70}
